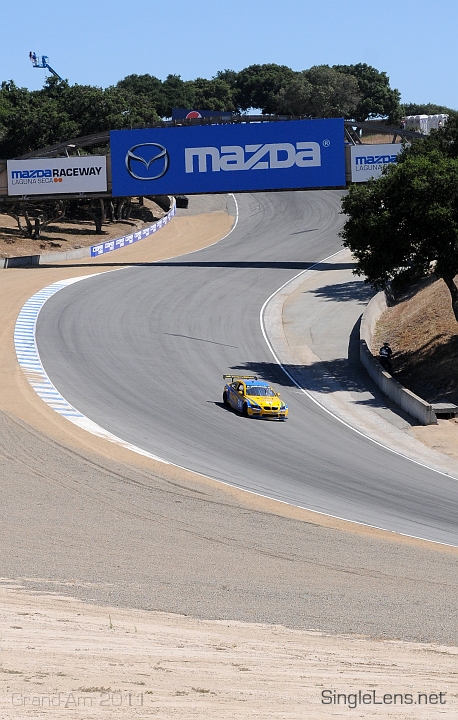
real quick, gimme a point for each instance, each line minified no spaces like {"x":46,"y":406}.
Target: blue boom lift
{"x":42,"y":62}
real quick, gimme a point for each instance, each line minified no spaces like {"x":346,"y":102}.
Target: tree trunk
{"x":11,"y":212}
{"x":102,"y":210}
{"x":58,"y":214}
{"x":119,"y":209}
{"x":98,"y":224}
{"x":36,"y":228}
{"x":97,"y":215}
{"x":453,"y":289}
{"x":29,"y":224}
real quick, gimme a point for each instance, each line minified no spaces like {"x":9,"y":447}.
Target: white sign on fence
{"x":49,"y":176}
{"x":368,"y":161}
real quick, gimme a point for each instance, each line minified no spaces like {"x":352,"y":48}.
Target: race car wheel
{"x":225,"y":398}
{"x":245,"y":410}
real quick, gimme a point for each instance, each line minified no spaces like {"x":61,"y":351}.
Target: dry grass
{"x":423,"y":333}
{"x":379,"y":139}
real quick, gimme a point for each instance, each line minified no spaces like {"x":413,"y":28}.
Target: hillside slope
{"x":423,"y":334}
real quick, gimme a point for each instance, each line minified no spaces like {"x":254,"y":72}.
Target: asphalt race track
{"x":141,"y":351}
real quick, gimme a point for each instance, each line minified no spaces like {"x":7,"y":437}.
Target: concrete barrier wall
{"x":102,"y":248}
{"x":403,"y":398}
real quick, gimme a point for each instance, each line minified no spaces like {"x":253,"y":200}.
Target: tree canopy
{"x":257,"y":86}
{"x":320,"y":92}
{"x":405,"y":223}
{"x":30,"y":120}
{"x":425,"y":109}
{"x":377,"y":99}
{"x":215,"y":94}
{"x":444,"y":140}
{"x":59,"y":111}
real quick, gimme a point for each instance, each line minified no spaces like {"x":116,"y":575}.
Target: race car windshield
{"x":260,"y":391}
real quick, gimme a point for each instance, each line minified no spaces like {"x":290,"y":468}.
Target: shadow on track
{"x":280,"y":265}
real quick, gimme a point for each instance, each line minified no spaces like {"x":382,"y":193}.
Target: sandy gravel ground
{"x":101,"y":658}
{"x":61,"y":658}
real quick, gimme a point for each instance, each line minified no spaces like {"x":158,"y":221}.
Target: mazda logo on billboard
{"x":147,"y":161}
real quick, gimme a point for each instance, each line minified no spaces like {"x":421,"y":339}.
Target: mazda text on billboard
{"x":368,"y":161}
{"x":48,"y":176}
{"x":228,"y":158}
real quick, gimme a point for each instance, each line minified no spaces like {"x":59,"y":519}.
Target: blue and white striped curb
{"x":29,"y":359}
{"x":116,"y":244}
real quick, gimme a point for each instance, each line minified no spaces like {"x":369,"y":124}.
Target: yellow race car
{"x":253,"y":397}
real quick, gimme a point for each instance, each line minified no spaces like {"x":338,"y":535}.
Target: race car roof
{"x":256,"y":382}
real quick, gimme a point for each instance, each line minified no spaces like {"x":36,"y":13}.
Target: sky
{"x":98,"y":42}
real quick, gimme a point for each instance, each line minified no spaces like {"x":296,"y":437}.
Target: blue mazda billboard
{"x":228,"y":158}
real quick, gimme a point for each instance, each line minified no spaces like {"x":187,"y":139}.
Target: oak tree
{"x":405,"y":223}
{"x":378,"y":99}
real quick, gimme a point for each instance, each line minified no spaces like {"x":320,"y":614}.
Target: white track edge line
{"x":336,"y":417}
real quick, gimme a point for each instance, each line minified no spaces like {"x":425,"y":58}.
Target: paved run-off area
{"x":83,"y":520}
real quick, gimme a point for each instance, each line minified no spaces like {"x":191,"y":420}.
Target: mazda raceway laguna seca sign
{"x":49,"y":176}
{"x":368,"y":161}
{"x":228,"y":158}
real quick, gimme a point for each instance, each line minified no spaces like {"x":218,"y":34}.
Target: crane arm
{"x":53,"y":71}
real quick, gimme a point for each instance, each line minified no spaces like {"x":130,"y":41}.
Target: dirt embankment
{"x":63,"y":658}
{"x":423,"y":334}
{"x":71,"y":234}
